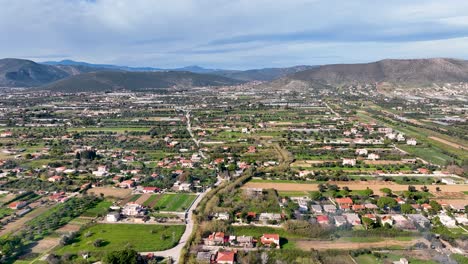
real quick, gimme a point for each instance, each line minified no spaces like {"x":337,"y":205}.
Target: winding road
{"x":175,"y":252}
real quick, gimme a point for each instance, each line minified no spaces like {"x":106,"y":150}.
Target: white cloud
{"x":226,"y":33}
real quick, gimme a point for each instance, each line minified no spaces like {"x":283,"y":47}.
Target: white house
{"x":133,"y":209}
{"x":411,"y":142}
{"x":113,"y":217}
{"x":373,"y":156}
{"x":447,"y":220}
{"x":351,"y":162}
{"x":361,"y":152}
{"x":329,"y":208}
{"x":448,"y":181}
{"x":339,"y":220}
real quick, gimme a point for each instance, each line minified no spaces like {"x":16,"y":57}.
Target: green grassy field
{"x":109,"y":129}
{"x":175,"y":202}
{"x":371,"y":259}
{"x":151,"y":199}
{"x":5,"y":212}
{"x":100,"y":209}
{"x":117,"y":236}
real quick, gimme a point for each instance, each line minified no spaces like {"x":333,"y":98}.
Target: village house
{"x":17,"y":205}
{"x":351,"y":162}
{"x":269,"y":239}
{"x":329,"y":208}
{"x":323,"y":220}
{"x":150,"y":189}
{"x":133,"y":209}
{"x":55,"y":178}
{"x":344,"y":203}
{"x":411,"y":142}
{"x":316,"y":208}
{"x":221,"y":216}
{"x":419,"y":220}
{"x":113,"y":217}
{"x":353,"y":219}
{"x":339,"y":220}
{"x":225,"y":257}
{"x":6,"y":134}
{"x":361,"y":152}
{"x":386,"y":219}
{"x":265,"y":217}
{"x":215,"y":239}
{"x":245,"y":241}
{"x":373,"y":156}
{"x":447,"y":220}
{"x":126,"y":184}
{"x":182,"y":187}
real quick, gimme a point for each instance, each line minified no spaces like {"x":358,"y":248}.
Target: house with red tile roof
{"x":344,"y":203}
{"x":17,"y":205}
{"x":268,"y":239}
{"x":216,"y":238}
{"x":225,"y":257}
{"x":322,"y":219}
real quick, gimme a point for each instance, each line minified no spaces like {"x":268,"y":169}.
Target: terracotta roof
{"x":225,"y":256}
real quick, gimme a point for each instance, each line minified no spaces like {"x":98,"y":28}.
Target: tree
{"x":435,"y":206}
{"x":368,"y":223}
{"x":98,"y":242}
{"x":386,"y":202}
{"x":314,"y":195}
{"x":368,"y":192}
{"x":406,"y":209}
{"x":126,"y":256}
{"x":386,"y":191}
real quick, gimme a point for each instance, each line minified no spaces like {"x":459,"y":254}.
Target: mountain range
{"x":100,"y":81}
{"x":79,"y":76}
{"x":421,"y":72}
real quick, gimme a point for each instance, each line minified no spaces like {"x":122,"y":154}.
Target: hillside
{"x":267,"y":74}
{"x":403,"y":72}
{"x":26,"y":73}
{"x":120,"y":80}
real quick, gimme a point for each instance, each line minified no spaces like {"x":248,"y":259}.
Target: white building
{"x":411,"y":142}
{"x":447,"y":220}
{"x":373,"y":156}
{"x":113,"y":217}
{"x":361,"y":152}
{"x":351,"y":162}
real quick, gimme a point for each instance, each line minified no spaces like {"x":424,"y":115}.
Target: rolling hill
{"x":402,"y":72}
{"x":26,"y":73}
{"x":121,"y":80}
{"x":266,"y":74}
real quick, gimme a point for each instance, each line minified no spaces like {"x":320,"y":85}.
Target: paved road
{"x":174,"y":252}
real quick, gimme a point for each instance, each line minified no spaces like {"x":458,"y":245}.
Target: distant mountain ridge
{"x":404,"y":72}
{"x":26,"y":73}
{"x":266,"y":74}
{"x":101,"y":81}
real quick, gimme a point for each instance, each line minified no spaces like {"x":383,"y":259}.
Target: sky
{"x":232,"y":34}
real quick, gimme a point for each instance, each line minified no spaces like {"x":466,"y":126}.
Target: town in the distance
{"x":316,"y":165}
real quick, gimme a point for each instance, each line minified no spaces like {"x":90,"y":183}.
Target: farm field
{"x":374,"y":185}
{"x":327,"y":245}
{"x":173,"y":202}
{"x":100,"y":209}
{"x":111,"y":192}
{"x":118,"y":236}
